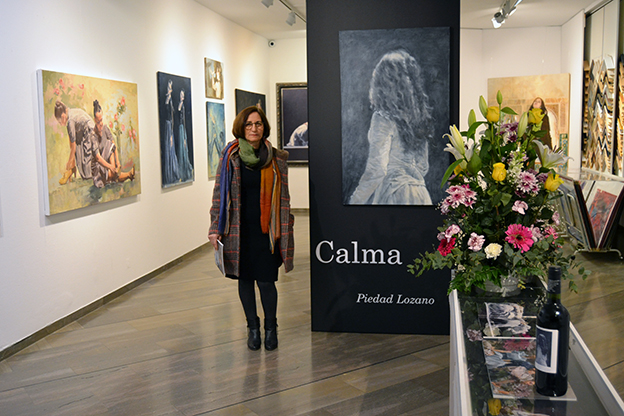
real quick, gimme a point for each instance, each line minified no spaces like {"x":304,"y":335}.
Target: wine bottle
{"x":553,"y":335}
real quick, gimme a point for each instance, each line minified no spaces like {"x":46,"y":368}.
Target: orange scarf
{"x":270,"y":198}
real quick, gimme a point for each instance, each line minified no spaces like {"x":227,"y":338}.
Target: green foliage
{"x":494,"y":226}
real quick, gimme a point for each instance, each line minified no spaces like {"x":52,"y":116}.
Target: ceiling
{"x":476,"y":14}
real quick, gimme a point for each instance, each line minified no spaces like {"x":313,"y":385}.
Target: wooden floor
{"x":176,"y":345}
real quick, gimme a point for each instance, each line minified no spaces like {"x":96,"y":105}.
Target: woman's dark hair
{"x":543,"y":106}
{"x":238,"y":129}
{"x":397,"y":91}
{"x":59,"y":109}
{"x":97,"y":108}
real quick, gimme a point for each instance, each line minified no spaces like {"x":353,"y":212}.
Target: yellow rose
{"x":494,"y":406}
{"x":458,"y":169}
{"x":553,"y":182}
{"x":535,"y":116}
{"x":493,"y":114}
{"x":500,"y":173}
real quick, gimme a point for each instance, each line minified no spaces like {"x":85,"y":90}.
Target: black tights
{"x":268,"y":297}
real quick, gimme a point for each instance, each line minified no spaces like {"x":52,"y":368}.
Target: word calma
{"x":325,"y":253}
{"x":400,"y":299}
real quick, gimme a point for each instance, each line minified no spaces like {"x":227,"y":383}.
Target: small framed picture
{"x":214,"y":78}
{"x":292,"y":121}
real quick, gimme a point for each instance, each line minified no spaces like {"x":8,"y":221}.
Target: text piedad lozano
{"x":400,"y":300}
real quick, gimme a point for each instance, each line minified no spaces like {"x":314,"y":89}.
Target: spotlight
{"x":267,"y":3}
{"x":291,"y":18}
{"x":507,"y":9}
{"x":498,"y":20}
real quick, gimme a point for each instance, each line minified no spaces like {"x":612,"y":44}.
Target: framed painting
{"x":176,"y":129}
{"x":395,"y":108}
{"x":602,"y":205}
{"x":90,"y":140}
{"x":214,"y":78}
{"x":549,"y":92}
{"x":215,"y":126}
{"x":292,"y":121}
{"x":246,"y":99}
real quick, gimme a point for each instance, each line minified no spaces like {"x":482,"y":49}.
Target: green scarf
{"x":248,"y":155}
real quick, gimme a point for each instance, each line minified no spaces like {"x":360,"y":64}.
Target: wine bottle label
{"x":546,"y":355}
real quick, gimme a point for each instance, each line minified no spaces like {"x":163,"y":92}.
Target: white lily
{"x":548,"y":158}
{"x":456,"y":145}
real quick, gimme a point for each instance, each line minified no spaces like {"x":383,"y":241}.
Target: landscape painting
{"x":90,"y":140}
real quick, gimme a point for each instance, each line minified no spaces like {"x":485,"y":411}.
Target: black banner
{"x":360,"y":247}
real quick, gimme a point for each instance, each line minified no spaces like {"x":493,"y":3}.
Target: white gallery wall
{"x":497,"y":53}
{"x":51,"y":267}
{"x":287,"y":63}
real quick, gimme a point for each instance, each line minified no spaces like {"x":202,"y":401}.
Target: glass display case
{"x":479,"y":387}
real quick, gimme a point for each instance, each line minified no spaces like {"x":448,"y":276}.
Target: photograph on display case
{"x":90,"y":140}
{"x":176,"y":129}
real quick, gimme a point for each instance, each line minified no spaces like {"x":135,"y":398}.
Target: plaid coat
{"x":231,"y":241}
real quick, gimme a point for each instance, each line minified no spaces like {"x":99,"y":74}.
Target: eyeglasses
{"x":258,"y":125}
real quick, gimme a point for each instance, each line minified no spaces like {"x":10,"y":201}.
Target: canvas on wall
{"x":213,"y":71}
{"x":176,"y":129}
{"x":90,"y":138}
{"x":246,"y":99}
{"x":215,"y":126}
{"x":292,"y":121}
{"x":395,"y":110}
{"x":523,"y":93}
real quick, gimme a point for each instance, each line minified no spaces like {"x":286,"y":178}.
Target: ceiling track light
{"x":507,"y":9}
{"x":293,"y":13}
{"x":291,"y":18}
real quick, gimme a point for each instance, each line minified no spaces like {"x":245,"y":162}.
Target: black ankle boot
{"x":270,"y":334}
{"x":253,"y":339}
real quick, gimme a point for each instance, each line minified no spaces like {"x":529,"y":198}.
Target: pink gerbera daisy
{"x":520,"y":237}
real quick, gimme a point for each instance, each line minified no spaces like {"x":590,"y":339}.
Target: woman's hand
{"x":213,"y":238}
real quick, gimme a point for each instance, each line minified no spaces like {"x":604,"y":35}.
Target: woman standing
{"x":251,"y":216}
{"x":185,"y":167}
{"x":539,"y":103}
{"x":170,"y":160}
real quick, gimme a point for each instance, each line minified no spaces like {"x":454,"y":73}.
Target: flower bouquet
{"x":500,"y":213}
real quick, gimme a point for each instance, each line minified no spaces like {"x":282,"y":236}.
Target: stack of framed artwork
{"x":598,"y":150}
{"x":590,"y":208}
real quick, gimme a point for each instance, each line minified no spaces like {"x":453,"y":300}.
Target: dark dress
{"x":256,"y":260}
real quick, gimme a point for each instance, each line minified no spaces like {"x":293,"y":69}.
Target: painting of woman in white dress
{"x":392,"y":152}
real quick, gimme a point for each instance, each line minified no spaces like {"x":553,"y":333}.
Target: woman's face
{"x":537,"y":103}
{"x":254,"y":130}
